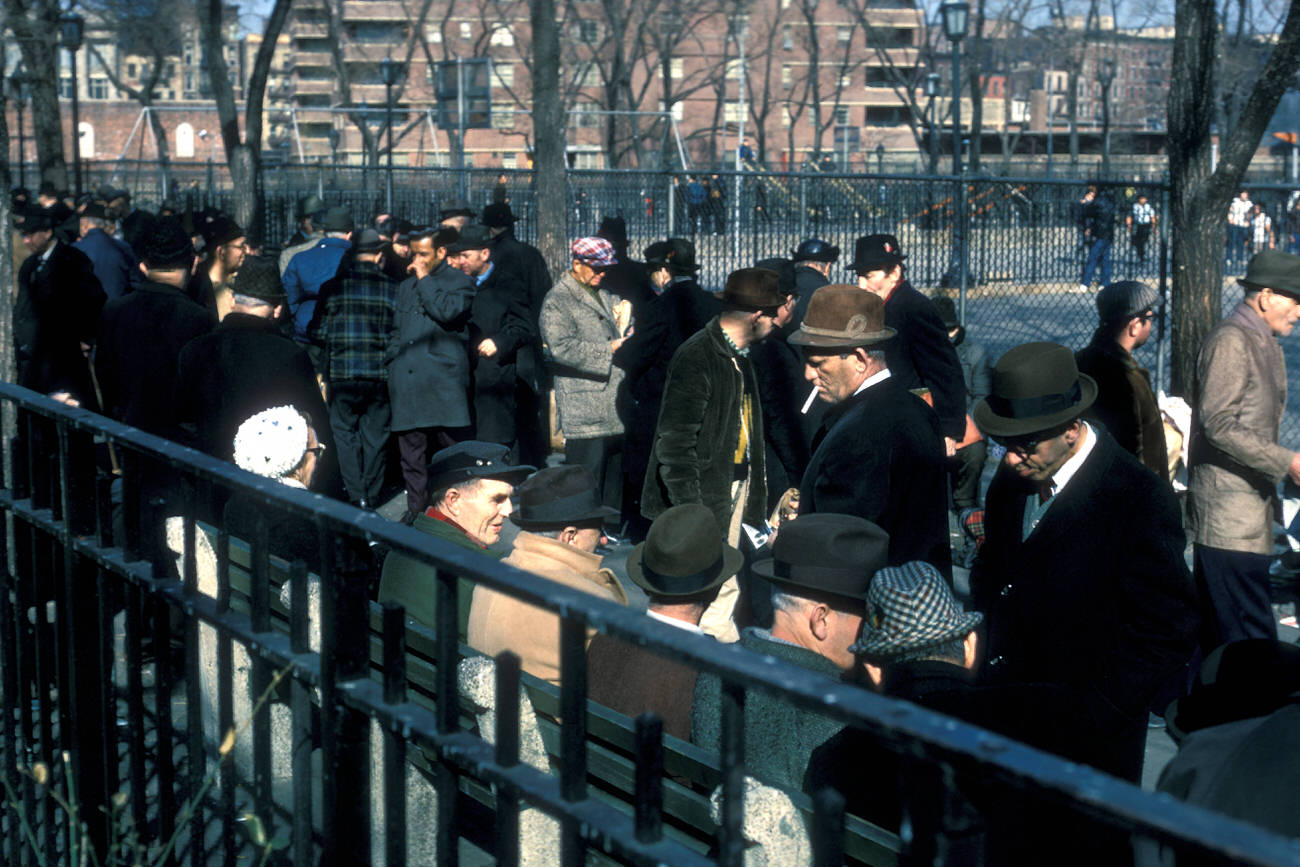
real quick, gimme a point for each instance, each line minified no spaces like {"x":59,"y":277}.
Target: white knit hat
{"x":272,"y":442}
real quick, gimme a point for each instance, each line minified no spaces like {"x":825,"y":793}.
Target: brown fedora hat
{"x":753,"y":289}
{"x":843,"y":316}
{"x":1036,"y":386}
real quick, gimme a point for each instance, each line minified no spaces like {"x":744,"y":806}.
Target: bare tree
{"x":147,"y":28}
{"x":35,"y":26}
{"x":548,"y":128}
{"x":1200,"y":192}
{"x":242,"y":155}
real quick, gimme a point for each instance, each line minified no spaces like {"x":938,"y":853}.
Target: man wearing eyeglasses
{"x":1125,"y":404}
{"x":1235,"y":459}
{"x":1081,"y":577}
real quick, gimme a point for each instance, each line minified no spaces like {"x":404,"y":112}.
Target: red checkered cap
{"x":594,"y":252}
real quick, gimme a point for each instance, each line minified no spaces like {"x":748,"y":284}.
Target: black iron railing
{"x":72,"y":581}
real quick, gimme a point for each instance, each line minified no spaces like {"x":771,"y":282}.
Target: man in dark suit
{"x":115,"y":263}
{"x":680,"y":566}
{"x":922,"y":356}
{"x":1082,"y":577}
{"x":245,"y":366}
{"x":879,"y":454}
{"x":500,"y":324}
{"x":56,"y":313}
{"x":813,"y":259}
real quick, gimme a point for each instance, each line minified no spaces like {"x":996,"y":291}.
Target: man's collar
{"x":432,"y":512}
{"x":874,"y":379}
{"x":1072,"y":466}
{"x":731,"y":344}
{"x":478,"y":281}
{"x":1250,"y":317}
{"x":54,"y":242}
{"x":673,"y":621}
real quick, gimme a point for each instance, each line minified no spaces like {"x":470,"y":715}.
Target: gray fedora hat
{"x":910,"y":608}
{"x":683,"y":554}
{"x":828,"y":553}
{"x":1036,"y":386}
{"x":1273,"y":269}
{"x":841,"y":316}
{"x":557,"y":497}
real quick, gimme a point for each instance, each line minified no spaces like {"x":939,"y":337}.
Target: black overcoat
{"x":1097,"y":599}
{"x":499,"y":311}
{"x":57,"y":309}
{"x":921,"y":356}
{"x":880,"y":456}
{"x":428,"y":366}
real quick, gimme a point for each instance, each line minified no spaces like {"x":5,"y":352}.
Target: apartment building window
{"x":845,"y":80}
{"x":787,"y":37}
{"x":503,"y":115}
{"x":674,"y":67}
{"x":786,"y":118}
{"x":787,"y":75}
{"x":504,"y":74}
{"x":432,"y":33}
{"x":98,"y":88}
{"x":589,"y":32}
{"x":843,"y":34}
{"x":130,"y":70}
{"x":502,"y":35}
{"x":731,"y":111}
{"x":465,"y":31}
{"x":733,"y":68}
{"x":509,"y":161}
{"x":583,"y":116}
{"x":65,"y":86}
{"x":842,"y":115}
{"x":588,"y":76}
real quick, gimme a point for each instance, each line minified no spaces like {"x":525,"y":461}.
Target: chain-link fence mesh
{"x":1025,"y":251}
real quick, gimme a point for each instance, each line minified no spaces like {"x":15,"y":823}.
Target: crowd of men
{"x":786,"y":454}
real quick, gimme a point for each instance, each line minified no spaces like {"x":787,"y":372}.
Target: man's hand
{"x":615,"y":344}
{"x":1294,"y":470}
{"x":950,"y":446}
{"x":487,"y":348}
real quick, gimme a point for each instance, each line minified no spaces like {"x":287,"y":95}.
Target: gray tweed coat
{"x":577,"y":327}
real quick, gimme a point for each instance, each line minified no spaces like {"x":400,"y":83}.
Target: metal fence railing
{"x":97,"y":729}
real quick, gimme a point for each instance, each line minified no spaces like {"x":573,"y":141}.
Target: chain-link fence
{"x":1022,"y":242}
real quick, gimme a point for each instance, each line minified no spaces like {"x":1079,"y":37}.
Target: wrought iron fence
{"x":120,"y":739}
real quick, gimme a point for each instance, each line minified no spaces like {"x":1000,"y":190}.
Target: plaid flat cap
{"x":594,"y":252}
{"x":909,"y":608}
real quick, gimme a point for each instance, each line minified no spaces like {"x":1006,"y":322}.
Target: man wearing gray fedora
{"x":560,"y":518}
{"x":821,"y":567}
{"x":1081,"y":577}
{"x":1235,"y":460}
{"x":880,"y":453}
{"x":680,"y":566}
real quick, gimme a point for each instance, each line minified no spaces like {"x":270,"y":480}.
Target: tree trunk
{"x":548,"y":134}
{"x":1199,"y":198}
{"x":36,"y":39}
{"x":160,"y":145}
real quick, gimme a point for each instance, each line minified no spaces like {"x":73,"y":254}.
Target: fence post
{"x":672,"y":206}
{"x":961,"y":226}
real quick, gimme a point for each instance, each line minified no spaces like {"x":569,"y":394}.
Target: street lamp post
{"x":18,"y":87}
{"x":391,"y":72}
{"x":1105,"y":78}
{"x":931,"y":93}
{"x":956,"y":20}
{"x":71,"y":28}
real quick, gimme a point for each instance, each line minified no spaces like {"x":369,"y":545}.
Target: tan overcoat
{"x":499,"y":622}
{"x":1236,"y":462}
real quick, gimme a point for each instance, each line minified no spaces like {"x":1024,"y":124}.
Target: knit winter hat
{"x":272,"y":442}
{"x":167,"y":246}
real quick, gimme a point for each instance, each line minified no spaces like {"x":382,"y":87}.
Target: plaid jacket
{"x":353,"y":320}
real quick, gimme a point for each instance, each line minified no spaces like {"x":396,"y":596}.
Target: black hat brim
{"x":597,"y":514}
{"x":509,"y":475}
{"x":989,"y":422}
{"x":729,"y":564}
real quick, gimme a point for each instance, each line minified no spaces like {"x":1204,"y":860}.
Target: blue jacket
{"x":115,"y":264}
{"x":306,"y":273}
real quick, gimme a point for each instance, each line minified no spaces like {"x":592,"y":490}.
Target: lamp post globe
{"x":71,"y":31}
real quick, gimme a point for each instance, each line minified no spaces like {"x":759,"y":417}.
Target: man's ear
{"x":450,"y":502}
{"x":818,"y":615}
{"x":568,"y":534}
{"x":970,"y":648}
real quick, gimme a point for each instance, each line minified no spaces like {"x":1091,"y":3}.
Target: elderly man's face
{"x":472,"y":262}
{"x":37,"y":240}
{"x":835,"y":376}
{"x":1037,"y":457}
{"x":232,"y":255}
{"x":482,"y":510}
{"x":1279,"y":311}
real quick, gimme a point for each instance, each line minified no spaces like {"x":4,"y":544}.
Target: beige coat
{"x":1236,"y":462}
{"x":499,"y":622}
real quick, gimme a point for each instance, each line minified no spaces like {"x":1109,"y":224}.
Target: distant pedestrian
{"x":1142,"y":222}
{"x":1261,"y":231}
{"x":1293,"y":222}
{"x":1239,"y":227}
{"x":1099,"y":228}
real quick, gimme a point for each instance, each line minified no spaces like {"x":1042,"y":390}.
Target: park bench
{"x":691,"y":773}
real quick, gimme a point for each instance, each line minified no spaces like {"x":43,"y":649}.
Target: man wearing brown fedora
{"x":1235,"y":460}
{"x":709,"y":441}
{"x":879,"y":454}
{"x":680,"y":566}
{"x":921,"y":356}
{"x":560,"y":518}
{"x":1081,"y":578}
{"x":821,"y":567}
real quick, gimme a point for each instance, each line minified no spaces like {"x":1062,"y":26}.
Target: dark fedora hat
{"x":1273,"y":269}
{"x":757,"y":289}
{"x":947,"y":312}
{"x":876,"y":252}
{"x":816,"y":250}
{"x":498,"y":215}
{"x":1036,"y":386}
{"x":683,"y":554}
{"x":829,"y":553}
{"x":1241,"y":680}
{"x":675,"y":254}
{"x":259,"y":278}
{"x":473,"y":459}
{"x":841,"y":316}
{"x":557,"y":497}
{"x":910,"y":608}
{"x":455,"y":208}
{"x":472,"y":237}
